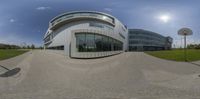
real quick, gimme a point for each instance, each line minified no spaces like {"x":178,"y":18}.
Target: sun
{"x":164,"y":18}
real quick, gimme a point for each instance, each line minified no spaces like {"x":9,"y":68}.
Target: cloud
{"x":108,"y":9}
{"x":12,"y":20}
{"x":43,"y":8}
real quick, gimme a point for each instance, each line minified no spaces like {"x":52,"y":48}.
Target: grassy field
{"x":176,"y":55}
{"x":8,"y":53}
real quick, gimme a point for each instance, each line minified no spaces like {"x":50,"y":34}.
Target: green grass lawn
{"x":176,"y":55}
{"x":8,"y":53}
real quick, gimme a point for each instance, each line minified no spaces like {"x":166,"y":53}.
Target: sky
{"x":26,"y":21}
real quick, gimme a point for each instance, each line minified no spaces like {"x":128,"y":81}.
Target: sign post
{"x":185,"y":32}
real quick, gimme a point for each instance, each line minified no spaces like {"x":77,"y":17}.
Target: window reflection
{"x":56,"y":47}
{"x":91,"y":42}
{"x":98,"y":42}
{"x":80,"y":43}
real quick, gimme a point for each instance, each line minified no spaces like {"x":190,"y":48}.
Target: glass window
{"x":105,"y":43}
{"x":56,"y":48}
{"x":98,"y":43}
{"x":90,"y":43}
{"x":121,"y":46}
{"x":110,"y":44}
{"x":93,"y":24}
{"x":108,"y":27}
{"x":80,"y":42}
{"x":115,"y":45}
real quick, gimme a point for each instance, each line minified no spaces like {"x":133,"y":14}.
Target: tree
{"x":40,"y":47}
{"x":32,"y":46}
{"x":28,"y":47}
{"x":194,"y":46}
{"x":198,"y":46}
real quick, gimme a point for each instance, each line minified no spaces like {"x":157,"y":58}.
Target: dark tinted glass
{"x":91,"y":42}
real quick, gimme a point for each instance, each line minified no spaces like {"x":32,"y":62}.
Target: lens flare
{"x":164,"y":18}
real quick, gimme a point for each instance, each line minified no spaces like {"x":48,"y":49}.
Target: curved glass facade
{"x":142,"y":40}
{"x":92,"y":42}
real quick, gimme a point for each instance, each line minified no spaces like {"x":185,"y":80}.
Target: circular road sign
{"x":185,"y":31}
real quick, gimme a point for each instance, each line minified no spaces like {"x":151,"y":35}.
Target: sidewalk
{"x":14,"y":61}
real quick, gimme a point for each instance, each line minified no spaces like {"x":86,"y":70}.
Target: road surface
{"x":130,"y":75}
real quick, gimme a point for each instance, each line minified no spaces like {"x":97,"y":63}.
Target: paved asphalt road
{"x":131,"y":75}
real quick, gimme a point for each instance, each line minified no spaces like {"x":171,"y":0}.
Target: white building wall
{"x":65,"y":36}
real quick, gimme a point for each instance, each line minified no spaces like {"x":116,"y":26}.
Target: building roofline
{"x":150,"y":32}
{"x":72,"y":12}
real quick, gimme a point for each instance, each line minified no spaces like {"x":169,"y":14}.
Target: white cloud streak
{"x":43,"y":8}
{"x":12,"y":20}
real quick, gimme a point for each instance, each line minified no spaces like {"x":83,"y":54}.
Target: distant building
{"x":86,"y":34}
{"x":143,"y":40}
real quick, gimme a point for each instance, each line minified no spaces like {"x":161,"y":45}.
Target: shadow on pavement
{"x":11,"y":72}
{"x":4,"y":67}
{"x":194,"y":64}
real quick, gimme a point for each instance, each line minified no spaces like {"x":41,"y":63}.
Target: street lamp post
{"x":185,"y":46}
{"x":185,"y":32}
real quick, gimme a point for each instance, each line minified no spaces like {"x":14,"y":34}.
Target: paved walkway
{"x":131,"y":75}
{"x":12,"y":62}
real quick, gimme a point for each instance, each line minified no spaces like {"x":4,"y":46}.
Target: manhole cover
{"x":11,"y":72}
